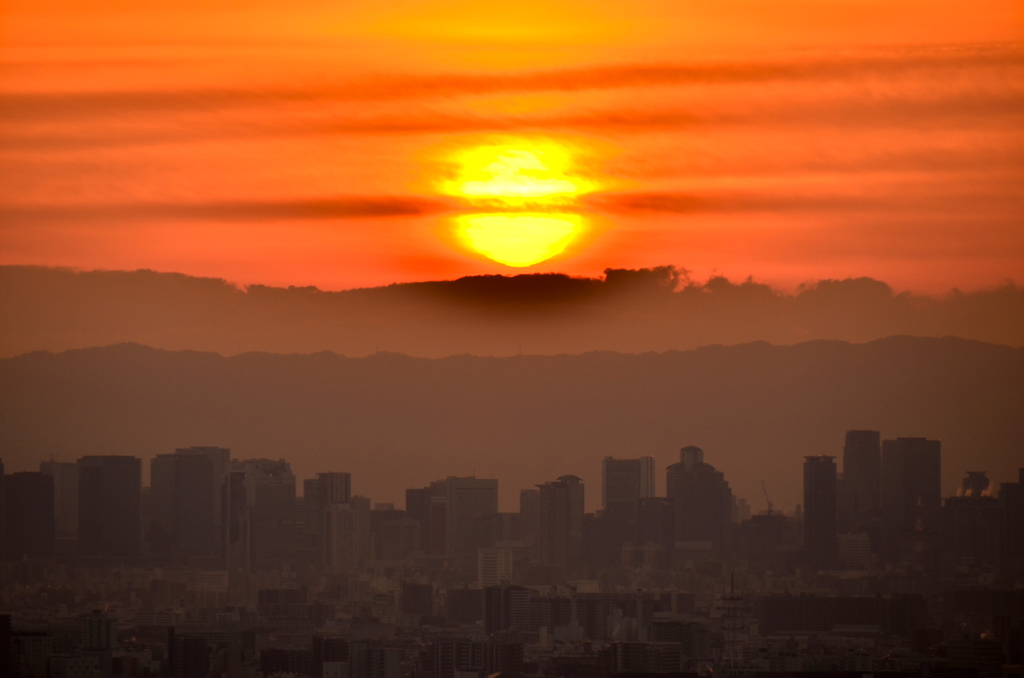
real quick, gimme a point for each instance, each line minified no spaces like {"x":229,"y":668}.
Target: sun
{"x":524,"y":191}
{"x":518,"y":239}
{"x":515,"y":174}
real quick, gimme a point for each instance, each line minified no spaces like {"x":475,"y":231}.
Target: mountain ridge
{"x":397,"y":421}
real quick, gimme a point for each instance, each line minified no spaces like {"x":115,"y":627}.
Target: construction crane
{"x":766,"y":497}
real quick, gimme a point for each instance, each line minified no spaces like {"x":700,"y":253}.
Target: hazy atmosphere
{"x":511,"y":339}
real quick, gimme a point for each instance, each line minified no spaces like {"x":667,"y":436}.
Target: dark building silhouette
{"x":655,"y":522}
{"x":3,"y":513}
{"x":861,"y":490}
{"x":185,"y":490}
{"x":911,"y":492}
{"x":972,"y":526}
{"x":110,"y":506}
{"x":269,"y":511}
{"x":464,"y":606}
{"x":624,"y":482}
{"x":508,"y":608}
{"x":1011,"y":505}
{"x":418,"y":599}
{"x":702,"y":500}
{"x":471,"y":510}
{"x":820,"y":511}
{"x":561,"y":521}
{"x":28,"y":499}
{"x":65,"y":499}
{"x":318,"y":494}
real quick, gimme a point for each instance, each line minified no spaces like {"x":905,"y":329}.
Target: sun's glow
{"x":518,"y":239}
{"x":517,"y":174}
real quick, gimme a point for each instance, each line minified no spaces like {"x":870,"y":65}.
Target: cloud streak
{"x":34,"y":106}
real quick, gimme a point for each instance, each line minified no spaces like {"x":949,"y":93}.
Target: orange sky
{"x":304,"y":143}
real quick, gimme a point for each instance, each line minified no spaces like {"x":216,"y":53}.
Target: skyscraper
{"x":471,"y":511}
{"x":911,"y":482}
{"x":28,"y":499}
{"x":267,"y":488}
{"x":185,"y":491}
{"x":701,"y":499}
{"x":65,"y":497}
{"x":820,"y":511}
{"x":220,"y":459}
{"x":561,"y":521}
{"x":911,"y":492}
{"x":346,"y":534}
{"x":319,"y":494}
{"x":109,"y":506}
{"x":862,"y":477}
{"x":625,"y":481}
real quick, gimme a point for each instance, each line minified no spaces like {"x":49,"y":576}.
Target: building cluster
{"x":221,"y":568}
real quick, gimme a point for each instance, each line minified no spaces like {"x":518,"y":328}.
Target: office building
{"x":28,"y":501}
{"x":346,"y":534}
{"x":701,"y":498}
{"x":911,"y":482}
{"x":65,"y":498}
{"x":624,"y":482}
{"x":266,"y":489}
{"x":110,"y":506}
{"x":820,"y":511}
{"x":494,"y":566}
{"x":185,"y":492}
{"x":861,"y":488}
{"x":561,"y":521}
{"x":318,"y":494}
{"x":471,"y":508}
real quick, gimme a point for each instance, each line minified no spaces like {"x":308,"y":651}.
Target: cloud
{"x":240,"y":210}
{"x":35,"y":106}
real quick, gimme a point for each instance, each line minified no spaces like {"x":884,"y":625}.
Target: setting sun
{"x":518,"y":239}
{"x":527,"y":188}
{"x":513,"y":174}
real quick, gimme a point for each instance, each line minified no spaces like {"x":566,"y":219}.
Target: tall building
{"x":185,"y":490}
{"x":561,"y":521}
{"x":1011,"y":505}
{"x":529,"y":516}
{"x":28,"y":500}
{"x":861,"y":490}
{"x":346,"y":534}
{"x":701,"y":498}
{"x":911,"y":482}
{"x":65,"y":497}
{"x":508,"y":608}
{"x":110,"y":506}
{"x":319,"y":494}
{"x":262,"y":507}
{"x":220,"y":459}
{"x":494,"y":566}
{"x":624,"y":482}
{"x":972,"y":526}
{"x":911,"y":493}
{"x":820,"y":511}
{"x":427,"y":505}
{"x":471,"y":506}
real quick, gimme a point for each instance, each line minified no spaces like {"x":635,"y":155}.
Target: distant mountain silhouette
{"x":631,"y":311}
{"x":396,"y":422}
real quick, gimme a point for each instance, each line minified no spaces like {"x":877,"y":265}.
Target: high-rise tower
{"x":561,"y":521}
{"x":820,"y":511}
{"x":861,"y":490}
{"x":624,"y":482}
{"x":701,"y":499}
{"x":110,"y":506}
